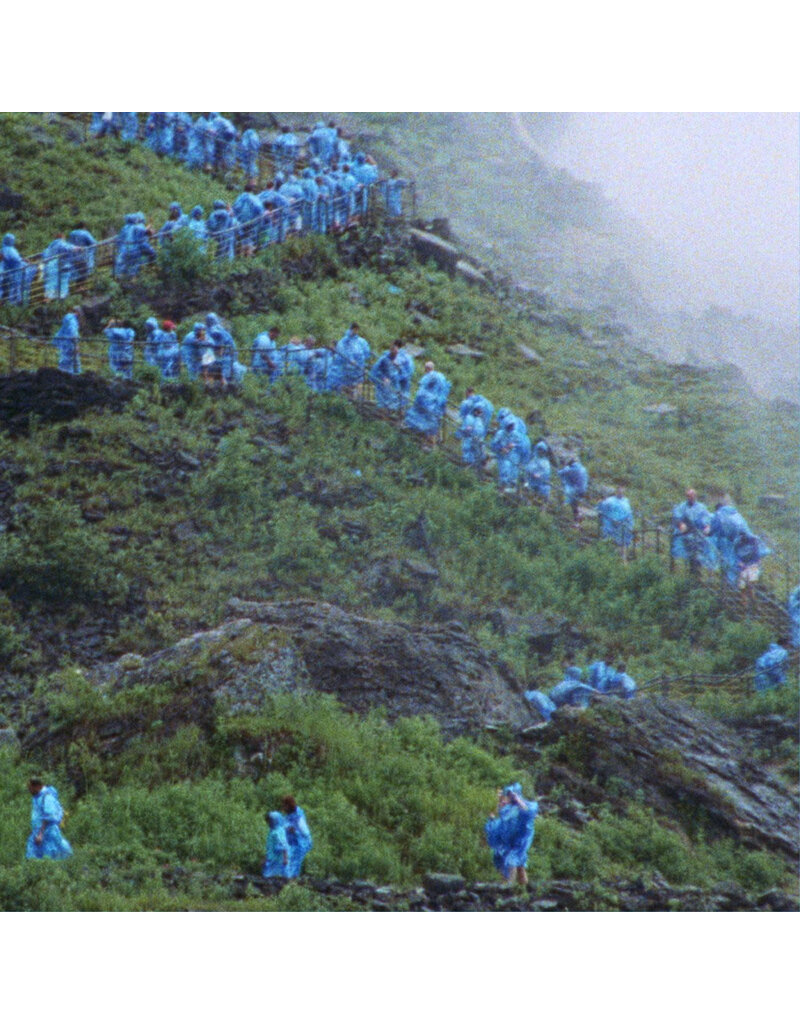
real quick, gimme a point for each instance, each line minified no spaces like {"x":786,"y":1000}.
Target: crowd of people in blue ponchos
{"x":332,"y":192}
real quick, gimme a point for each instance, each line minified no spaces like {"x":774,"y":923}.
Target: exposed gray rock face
{"x":438,"y":670}
{"x":686,"y":764}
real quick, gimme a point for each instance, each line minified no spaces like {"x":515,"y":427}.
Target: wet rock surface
{"x":52,"y":396}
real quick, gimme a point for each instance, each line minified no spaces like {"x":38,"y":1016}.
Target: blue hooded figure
{"x":221,"y":226}
{"x":620,"y":683}
{"x":320,"y":143}
{"x":317,"y":368}
{"x":46,"y":838}
{"x":571,"y":690}
{"x":84,"y":254}
{"x":221,"y":338}
{"x":393,"y":189}
{"x":739,"y":549}
{"x":197,"y":226}
{"x":793,"y":609}
{"x":196,"y":147}
{"x":405,"y":371}
{"x":126,"y":263}
{"x":58,"y":261}
{"x":366,"y":174}
{"x":541,"y":702}
{"x":169,"y":351}
{"x":128,"y":126}
{"x":13,"y":277}
{"x":771,"y":668}
{"x":293,"y":357}
{"x":298,"y":835}
{"x":193,"y":348}
{"x":248,"y":150}
{"x":292,"y":191}
{"x":691,"y":528}
{"x":177,"y":219}
{"x":599,"y":675}
{"x":538,"y":470}
{"x":472,"y":432}
{"x":66,"y":341}
{"x":225,"y":135}
{"x":152,"y":340}
{"x":265,"y":360}
{"x":575,"y":481}
{"x":120,"y":350}
{"x":249,"y":212}
{"x":284,"y":150}
{"x":430,"y":402}
{"x":276,"y":862}
{"x":349,"y":360}
{"x":310,"y":191}
{"x":478,"y":405}
{"x":511,"y":447}
{"x":277,"y":214}
{"x":616,"y":519}
{"x":181,"y":133}
{"x":158,"y":132}
{"x":511,"y":832}
{"x":386,"y":378}
{"x":344,"y":203}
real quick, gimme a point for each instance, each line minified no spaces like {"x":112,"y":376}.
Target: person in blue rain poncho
{"x":793,"y":608}
{"x":430,"y":402}
{"x":740,"y":551}
{"x":600,"y":674}
{"x":152,"y":340}
{"x":176,"y":219}
{"x":293,"y":357}
{"x":132,"y":246}
{"x":197,"y":225}
{"x":310,"y":191}
{"x":771,"y":667}
{"x":46,"y":839}
{"x":169,"y":351}
{"x":317,"y":366}
{"x":249,"y":212}
{"x":158,"y":131}
{"x":199,"y":140}
{"x":349,"y":360}
{"x":277,"y":208}
{"x":84,"y":255}
{"x":320,"y":143}
{"x":120,"y":348}
{"x":537,"y":472}
{"x":265,"y":360}
{"x":616,"y":520}
{"x":292,"y":190}
{"x":15,"y":273}
{"x":365,"y":172}
{"x":477,"y":405}
{"x":128,"y":126}
{"x":276,"y":861}
{"x":511,"y":447}
{"x":193,"y":347}
{"x":385,"y":375}
{"x":66,"y":341}
{"x":541,"y":702}
{"x":691,"y":528}
{"x":298,"y":835}
{"x":247,"y":153}
{"x":58,"y":265}
{"x":393,"y":194}
{"x":284,"y":150}
{"x":510,"y":832}
{"x":619,"y":683}
{"x":571,"y":691}
{"x":472,"y":432}
{"x":405,"y":372}
{"x":232,"y":370}
{"x":223,"y":156}
{"x":181,"y":133}
{"x":221,"y":226}
{"x":575,"y":481}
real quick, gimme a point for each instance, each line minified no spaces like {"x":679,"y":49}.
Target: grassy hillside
{"x":152,"y":518}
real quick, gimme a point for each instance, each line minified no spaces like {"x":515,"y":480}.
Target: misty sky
{"x":720,"y":189}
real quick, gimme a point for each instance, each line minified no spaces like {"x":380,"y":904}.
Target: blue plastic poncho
{"x":541,"y":702}
{"x":538,"y":470}
{"x":248,"y":150}
{"x":128,"y":126}
{"x":193,"y":348}
{"x":46,"y":816}
{"x":793,"y":608}
{"x":57,"y":260}
{"x":152,"y":340}
{"x":317,"y":368}
{"x":571,"y":690}
{"x":158,"y":133}
{"x":221,"y":338}
{"x":14,"y":273}
{"x":737,"y":545}
{"x":386,"y":378}
{"x":599,"y":675}
{"x":181,"y":133}
{"x":320,"y":143}
{"x":621,"y":684}
{"x":169,"y":354}
{"x":405,"y":371}
{"x":66,"y":341}
{"x":300,"y":842}
{"x":276,"y":863}
{"x":393,"y":195}
{"x":249,"y":212}
{"x":430,"y":402}
{"x":265,"y":358}
{"x":771,"y":667}
{"x":510,"y":834}
{"x":196,"y":147}
{"x":177,"y":220}
{"x":616,"y":520}
{"x":224,"y":143}
{"x":84,"y":253}
{"x":221,"y":226}
{"x":284,"y":151}
{"x":574,"y":480}
{"x":511,"y":448}
{"x":691,"y":524}
{"x":349,"y":361}
{"x":472,"y":432}
{"x":120,"y":350}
